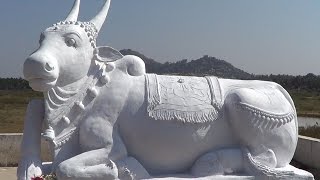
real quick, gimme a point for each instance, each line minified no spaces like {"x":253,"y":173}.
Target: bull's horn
{"x":101,"y":16}
{"x":73,"y":15}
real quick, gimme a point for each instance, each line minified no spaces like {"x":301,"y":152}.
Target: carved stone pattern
{"x":66,"y":110}
{"x":89,"y":28}
{"x":187,"y":99}
{"x":264,"y":119}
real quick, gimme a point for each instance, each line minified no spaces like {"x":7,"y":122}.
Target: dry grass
{"x":313,"y":131}
{"x":12,"y":109}
{"x":13,"y":106}
{"x":307,"y":103}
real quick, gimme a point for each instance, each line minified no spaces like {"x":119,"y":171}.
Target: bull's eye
{"x":71,"y":42}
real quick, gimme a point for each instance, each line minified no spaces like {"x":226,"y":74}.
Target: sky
{"x":260,"y":37}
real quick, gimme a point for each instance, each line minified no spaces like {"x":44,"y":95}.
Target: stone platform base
{"x":299,"y":175}
{"x":181,"y":177}
{"x":10,"y":173}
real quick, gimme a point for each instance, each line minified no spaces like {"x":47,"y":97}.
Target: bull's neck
{"x":57,"y":97}
{"x":75,"y":86}
{"x":65,"y":106}
{"x":60,"y":100}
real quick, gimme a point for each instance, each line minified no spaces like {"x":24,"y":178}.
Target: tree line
{"x":309,"y":82}
{"x":13,"y":84}
{"x":204,"y":66}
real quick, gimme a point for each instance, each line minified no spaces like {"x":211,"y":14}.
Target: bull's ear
{"x":107,"y":54}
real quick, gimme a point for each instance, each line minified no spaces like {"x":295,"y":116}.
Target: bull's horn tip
{"x":73,"y":15}
{"x":99,"y":19}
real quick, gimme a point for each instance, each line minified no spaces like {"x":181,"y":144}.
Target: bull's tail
{"x":262,"y":171}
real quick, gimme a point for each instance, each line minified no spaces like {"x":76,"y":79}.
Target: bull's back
{"x":167,"y":146}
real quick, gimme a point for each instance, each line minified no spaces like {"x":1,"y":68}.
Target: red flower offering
{"x":37,"y":178}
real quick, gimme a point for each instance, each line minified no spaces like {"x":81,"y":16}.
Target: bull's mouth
{"x":41,"y":84}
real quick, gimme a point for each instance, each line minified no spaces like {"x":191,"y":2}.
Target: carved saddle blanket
{"x":183,"y":98}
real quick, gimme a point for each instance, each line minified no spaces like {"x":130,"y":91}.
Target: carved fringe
{"x":264,"y":119}
{"x":190,"y":117}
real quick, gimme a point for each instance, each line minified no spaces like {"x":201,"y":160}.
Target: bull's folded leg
{"x":219,"y":162}
{"x":129,"y":169}
{"x":89,"y":165}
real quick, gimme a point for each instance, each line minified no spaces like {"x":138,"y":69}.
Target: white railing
{"x":308,"y":152}
{"x":10,"y":149}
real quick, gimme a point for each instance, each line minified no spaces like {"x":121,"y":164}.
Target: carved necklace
{"x":65,"y":109}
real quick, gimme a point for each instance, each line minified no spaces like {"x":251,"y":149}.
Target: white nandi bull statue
{"x":105,"y":118}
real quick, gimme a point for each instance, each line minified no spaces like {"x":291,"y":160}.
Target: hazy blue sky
{"x":262,"y":37}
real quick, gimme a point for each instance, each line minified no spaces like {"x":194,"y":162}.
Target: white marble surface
{"x":105,"y":118}
{"x":300,"y":174}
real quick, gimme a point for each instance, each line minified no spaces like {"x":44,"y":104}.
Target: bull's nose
{"x":49,"y":67}
{"x":35,"y":68}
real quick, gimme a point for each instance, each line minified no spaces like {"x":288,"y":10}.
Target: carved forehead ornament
{"x":92,"y":27}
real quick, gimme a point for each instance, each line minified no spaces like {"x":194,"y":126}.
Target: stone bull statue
{"x":105,"y":118}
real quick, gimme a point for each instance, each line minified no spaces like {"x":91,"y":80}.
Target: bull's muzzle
{"x":41,"y":72}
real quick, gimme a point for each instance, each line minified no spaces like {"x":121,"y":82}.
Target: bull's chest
{"x":94,"y":133}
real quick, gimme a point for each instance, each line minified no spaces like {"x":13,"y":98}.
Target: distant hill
{"x":204,"y":66}
{"x":211,"y":66}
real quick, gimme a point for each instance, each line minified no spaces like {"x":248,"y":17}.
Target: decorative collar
{"x":63,"y":114}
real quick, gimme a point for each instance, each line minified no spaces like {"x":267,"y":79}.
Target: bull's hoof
{"x":130,"y":169}
{"x":69,"y":171}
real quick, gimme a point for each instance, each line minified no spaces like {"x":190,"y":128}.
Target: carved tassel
{"x":93,"y":92}
{"x":104,"y":79}
{"x":80,"y":105}
{"x":66,"y":119}
{"x":110,"y":66}
{"x":49,"y":134}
